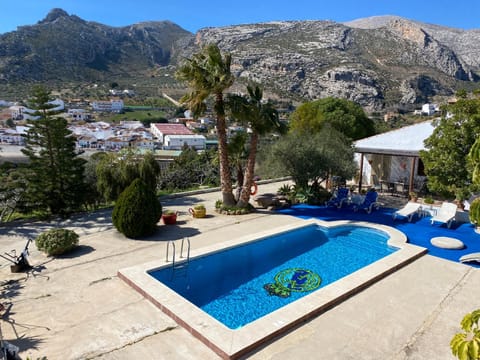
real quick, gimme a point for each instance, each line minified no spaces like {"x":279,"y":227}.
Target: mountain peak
{"x":53,"y":15}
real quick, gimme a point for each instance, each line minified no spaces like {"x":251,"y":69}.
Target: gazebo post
{"x":360,"y":178}
{"x":412,"y":175}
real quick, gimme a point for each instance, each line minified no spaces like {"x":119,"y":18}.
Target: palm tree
{"x":208,"y":73}
{"x":262,"y":118}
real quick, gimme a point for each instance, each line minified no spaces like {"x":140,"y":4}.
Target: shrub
{"x":285,"y":190}
{"x":428,"y":200}
{"x":233,"y":210}
{"x":137,"y":211}
{"x":56,"y":241}
{"x":474,"y":212}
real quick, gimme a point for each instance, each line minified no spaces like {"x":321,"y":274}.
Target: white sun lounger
{"x":446,"y":214}
{"x":470,"y":257}
{"x":408,"y":211}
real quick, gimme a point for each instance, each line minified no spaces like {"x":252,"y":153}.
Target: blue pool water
{"x":241,"y":284}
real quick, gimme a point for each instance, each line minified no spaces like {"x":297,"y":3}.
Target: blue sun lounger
{"x":339,"y":198}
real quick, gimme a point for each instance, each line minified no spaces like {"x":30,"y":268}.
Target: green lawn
{"x":136,"y":115}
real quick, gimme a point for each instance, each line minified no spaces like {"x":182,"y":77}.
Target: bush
{"x":137,"y":211}
{"x":428,"y":200}
{"x":56,"y":241}
{"x":474,"y":212}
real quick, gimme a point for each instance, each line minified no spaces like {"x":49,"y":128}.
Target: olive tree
{"x":312,"y":158}
{"x":343,"y":115}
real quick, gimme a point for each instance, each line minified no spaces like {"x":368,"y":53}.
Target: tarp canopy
{"x":407,"y":141}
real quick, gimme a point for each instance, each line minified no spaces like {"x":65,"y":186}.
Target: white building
{"x":159,"y":131}
{"x":108,"y":106}
{"x":13,"y":136}
{"x":78,"y":114}
{"x":19,"y":112}
{"x":177,"y":142}
{"x":429,"y":109}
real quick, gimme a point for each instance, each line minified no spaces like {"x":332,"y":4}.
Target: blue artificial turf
{"x":418,"y":232}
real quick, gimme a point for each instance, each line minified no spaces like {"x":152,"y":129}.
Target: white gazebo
{"x":393,"y":156}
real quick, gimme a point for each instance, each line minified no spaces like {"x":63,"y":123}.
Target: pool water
{"x":244,"y":283}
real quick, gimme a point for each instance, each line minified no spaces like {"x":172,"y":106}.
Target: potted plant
{"x":198,"y":211}
{"x":169,"y":217}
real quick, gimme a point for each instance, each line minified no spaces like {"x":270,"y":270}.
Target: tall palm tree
{"x":262,"y":118}
{"x":208,"y":73}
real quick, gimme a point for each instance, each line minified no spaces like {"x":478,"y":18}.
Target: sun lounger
{"x":446,"y":214}
{"x":470,"y":257}
{"x":369,"y":203}
{"x":340,"y":198}
{"x":408,"y":211}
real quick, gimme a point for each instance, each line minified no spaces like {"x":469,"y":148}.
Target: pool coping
{"x":232,"y":344}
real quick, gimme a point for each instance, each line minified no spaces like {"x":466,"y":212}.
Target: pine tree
{"x":55,"y":180}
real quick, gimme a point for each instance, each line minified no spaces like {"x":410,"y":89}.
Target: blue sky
{"x":193,"y":15}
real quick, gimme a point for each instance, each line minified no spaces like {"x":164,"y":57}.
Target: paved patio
{"x":75,"y":307}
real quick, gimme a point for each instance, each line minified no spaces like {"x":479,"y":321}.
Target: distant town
{"x":91,"y":134}
{"x":96,"y":135}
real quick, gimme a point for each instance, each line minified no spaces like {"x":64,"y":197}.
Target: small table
{"x":445,"y":242}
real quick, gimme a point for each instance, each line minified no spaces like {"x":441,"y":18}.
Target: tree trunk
{"x":249,"y":172}
{"x":225,"y":175}
{"x":240,"y":176}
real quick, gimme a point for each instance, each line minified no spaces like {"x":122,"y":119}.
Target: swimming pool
{"x":241,"y":284}
{"x":229,"y":343}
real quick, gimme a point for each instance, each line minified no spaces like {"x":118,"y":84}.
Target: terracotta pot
{"x":169,"y":219}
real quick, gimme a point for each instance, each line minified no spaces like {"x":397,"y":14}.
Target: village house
{"x":107,"y":106}
{"x":13,"y":136}
{"x":177,"y":134}
{"x":78,"y":114}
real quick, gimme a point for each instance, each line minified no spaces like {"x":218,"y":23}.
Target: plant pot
{"x":198,"y":213}
{"x":169,"y":219}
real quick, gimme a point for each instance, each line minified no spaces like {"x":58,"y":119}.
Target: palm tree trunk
{"x":240,"y":177}
{"x":225,"y":175}
{"x":249,"y":172}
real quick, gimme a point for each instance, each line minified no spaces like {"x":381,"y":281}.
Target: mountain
{"x":393,"y":61}
{"x":379,"y":62}
{"x":65,"y":47}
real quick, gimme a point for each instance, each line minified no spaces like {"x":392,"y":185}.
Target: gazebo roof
{"x":407,"y":141}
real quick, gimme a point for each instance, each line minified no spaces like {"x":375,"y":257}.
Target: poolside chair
{"x":369,"y":203}
{"x":386,"y":187}
{"x":339,"y":198}
{"x":408,"y":211}
{"x":446,"y":214}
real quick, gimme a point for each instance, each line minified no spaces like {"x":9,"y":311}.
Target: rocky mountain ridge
{"x":378,"y":62}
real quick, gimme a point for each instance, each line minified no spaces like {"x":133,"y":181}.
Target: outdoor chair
{"x":339,"y":198}
{"x":400,"y":189}
{"x":446,"y":214}
{"x":386,"y":187}
{"x":369,"y":203}
{"x":408,"y":211}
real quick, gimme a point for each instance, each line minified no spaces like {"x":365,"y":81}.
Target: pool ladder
{"x":179,"y":267}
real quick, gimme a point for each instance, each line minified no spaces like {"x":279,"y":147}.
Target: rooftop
{"x":173,"y":129}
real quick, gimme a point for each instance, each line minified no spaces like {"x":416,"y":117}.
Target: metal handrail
{"x":168,"y":246}
{"x":188,"y":248}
